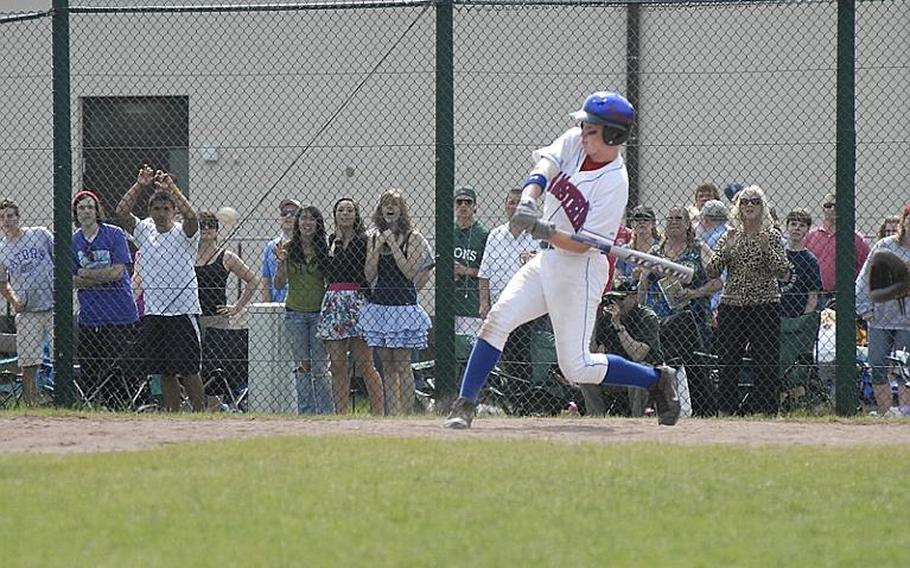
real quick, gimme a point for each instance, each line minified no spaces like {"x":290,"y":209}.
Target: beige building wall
{"x":733,"y":93}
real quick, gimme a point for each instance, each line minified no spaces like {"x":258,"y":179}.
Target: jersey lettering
{"x":571,"y":199}
{"x":21,"y":262}
{"x":469,"y":255}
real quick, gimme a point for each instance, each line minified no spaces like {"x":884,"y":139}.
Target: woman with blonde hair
{"x":749,"y":310}
{"x":393,"y":322}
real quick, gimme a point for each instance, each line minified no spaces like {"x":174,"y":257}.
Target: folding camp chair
{"x":114,"y":391}
{"x":11,"y":382}
{"x":10,"y":386}
{"x":801,"y":386}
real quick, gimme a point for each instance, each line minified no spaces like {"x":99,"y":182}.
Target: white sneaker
{"x":893,"y":412}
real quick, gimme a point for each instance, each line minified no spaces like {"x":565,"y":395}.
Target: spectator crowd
{"x":153,"y":298}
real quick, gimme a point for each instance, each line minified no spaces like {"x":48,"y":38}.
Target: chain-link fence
{"x":311,"y":199}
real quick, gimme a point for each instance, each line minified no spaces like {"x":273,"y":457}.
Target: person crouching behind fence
{"x":169,"y":338}
{"x":107,"y":312}
{"x":628,"y":329}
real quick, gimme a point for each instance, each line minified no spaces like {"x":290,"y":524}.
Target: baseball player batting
{"x":587,"y":187}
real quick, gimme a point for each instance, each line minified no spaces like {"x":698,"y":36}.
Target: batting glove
{"x":542,"y":230}
{"x":528,"y":208}
{"x":526,"y":214}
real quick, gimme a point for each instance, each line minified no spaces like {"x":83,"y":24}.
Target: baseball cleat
{"x":665,"y":397}
{"x":461,"y":415}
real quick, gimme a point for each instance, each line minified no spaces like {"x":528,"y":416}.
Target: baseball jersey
{"x":591,"y":201}
{"x":29,"y":262}
{"x":564,"y":284}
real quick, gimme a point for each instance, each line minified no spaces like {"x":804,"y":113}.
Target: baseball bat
{"x":638,"y":258}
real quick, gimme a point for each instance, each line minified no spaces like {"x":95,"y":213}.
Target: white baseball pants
{"x":569,"y":287}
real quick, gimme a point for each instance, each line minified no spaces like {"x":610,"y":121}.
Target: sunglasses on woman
{"x":750,"y":201}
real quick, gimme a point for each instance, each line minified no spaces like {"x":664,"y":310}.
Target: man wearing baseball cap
{"x":628,"y":329}
{"x":287,"y":213}
{"x":712,"y":222}
{"x":712,"y":225}
{"x":470,"y":241}
{"x":821,"y":242}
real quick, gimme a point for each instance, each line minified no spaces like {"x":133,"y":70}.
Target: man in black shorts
{"x":169,"y":340}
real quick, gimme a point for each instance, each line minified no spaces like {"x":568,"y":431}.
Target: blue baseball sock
{"x":625,"y":373}
{"x":482,"y":360}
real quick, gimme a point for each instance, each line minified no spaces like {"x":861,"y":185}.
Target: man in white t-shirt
{"x":170,"y":340}
{"x":508,"y":248}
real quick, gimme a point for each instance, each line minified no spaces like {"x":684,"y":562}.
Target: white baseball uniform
{"x":567,"y":285}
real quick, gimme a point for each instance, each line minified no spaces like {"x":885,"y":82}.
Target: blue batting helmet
{"x":611,"y":110}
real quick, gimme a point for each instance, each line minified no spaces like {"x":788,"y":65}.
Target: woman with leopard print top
{"x":749,"y":312}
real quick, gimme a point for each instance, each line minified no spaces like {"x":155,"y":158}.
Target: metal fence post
{"x":444,"y":324}
{"x":845,"y":177}
{"x":63,"y":223}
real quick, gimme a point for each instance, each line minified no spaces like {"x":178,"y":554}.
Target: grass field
{"x":350,"y":501}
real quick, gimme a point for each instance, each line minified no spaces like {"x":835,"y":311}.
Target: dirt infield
{"x":37,"y":434}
